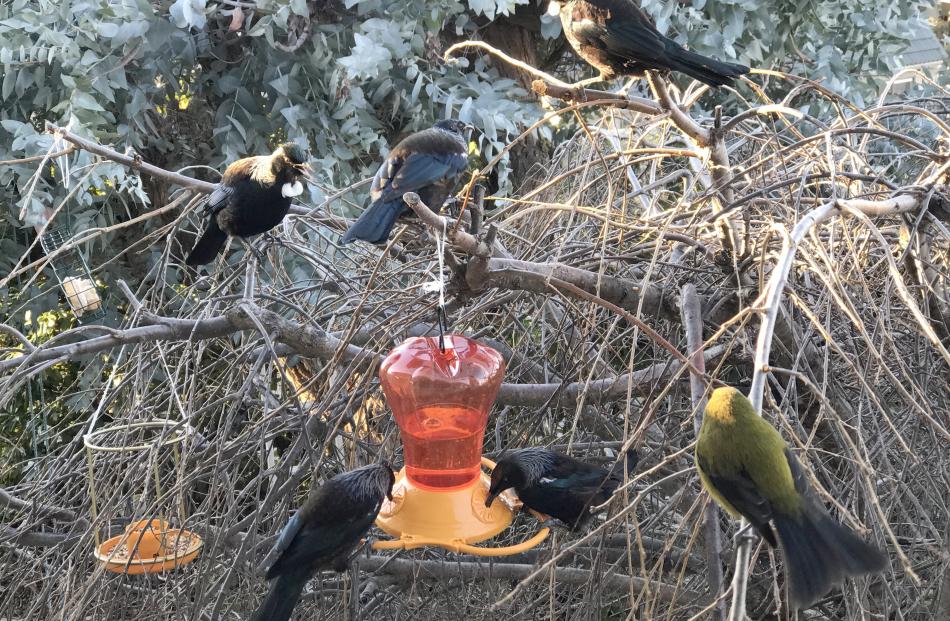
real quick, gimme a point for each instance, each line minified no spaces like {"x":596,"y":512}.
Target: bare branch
{"x":133,"y":162}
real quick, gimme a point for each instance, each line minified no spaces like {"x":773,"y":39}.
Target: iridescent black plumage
{"x":557,"y":485}
{"x":618,"y":38}
{"x":427,"y":163}
{"x":253,"y":197}
{"x":322,"y":534}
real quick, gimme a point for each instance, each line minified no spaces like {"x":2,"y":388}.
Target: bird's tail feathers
{"x":819,"y":552}
{"x":376,"y":222}
{"x":208,"y":246}
{"x":283,"y":596}
{"x":710,"y":71}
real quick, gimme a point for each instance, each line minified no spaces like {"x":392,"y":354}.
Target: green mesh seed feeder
{"x":73,"y":275}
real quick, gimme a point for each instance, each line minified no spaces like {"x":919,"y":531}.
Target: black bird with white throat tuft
{"x":618,"y":39}
{"x":253,"y":197}
{"x":323,"y":534}
{"x":555,"y":484}
{"x":428,"y":163}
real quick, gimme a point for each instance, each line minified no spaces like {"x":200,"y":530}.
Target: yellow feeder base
{"x":148,"y":546}
{"x":452,"y":519}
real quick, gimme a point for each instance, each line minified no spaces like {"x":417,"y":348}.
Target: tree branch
{"x":306,"y":340}
{"x":614,"y":100}
{"x":517,"y":571}
{"x":133,"y":162}
{"x":504,"y":273}
{"x":693,"y":323}
{"x":37,"y":511}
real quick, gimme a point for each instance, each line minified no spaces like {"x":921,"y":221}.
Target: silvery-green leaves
{"x":493,"y":8}
{"x":189,"y":13}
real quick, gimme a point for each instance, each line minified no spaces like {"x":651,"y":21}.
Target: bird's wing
{"x":583,"y":479}
{"x":217,"y":200}
{"x":233,"y":175}
{"x":287,"y":535}
{"x":312,"y":544}
{"x":409,"y":172}
{"x":800,"y":479}
{"x":741,"y":492}
{"x":619,"y":27}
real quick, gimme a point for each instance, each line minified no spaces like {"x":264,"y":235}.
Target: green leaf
{"x":9,"y":81}
{"x":108,"y":30}
{"x":281,"y":85}
{"x":238,"y":126}
{"x":86,"y":102}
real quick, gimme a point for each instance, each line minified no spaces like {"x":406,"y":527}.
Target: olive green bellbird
{"x":748,"y":469}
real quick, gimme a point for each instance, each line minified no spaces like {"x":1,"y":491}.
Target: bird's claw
{"x":745,"y":535}
{"x":579,"y":94}
{"x":271,"y":240}
{"x":261,"y":258}
{"x":451,"y":206}
{"x":552,"y":523}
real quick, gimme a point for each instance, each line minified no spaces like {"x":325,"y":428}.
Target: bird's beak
{"x":389,"y":495}
{"x":305,"y":171}
{"x":490,"y":498}
{"x":554,"y":8}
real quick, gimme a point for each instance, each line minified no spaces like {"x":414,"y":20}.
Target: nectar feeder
{"x":440,"y":399}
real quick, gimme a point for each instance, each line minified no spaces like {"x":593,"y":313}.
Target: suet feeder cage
{"x":74,"y":277}
{"x":144,"y":461}
{"x":440,"y":399}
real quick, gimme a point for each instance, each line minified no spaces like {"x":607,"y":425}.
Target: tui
{"x":323,"y":533}
{"x":428,"y":163}
{"x":557,"y":485}
{"x":253,"y":197}
{"x":617,"y":38}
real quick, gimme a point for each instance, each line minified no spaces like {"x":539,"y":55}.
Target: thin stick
{"x":693,"y":323}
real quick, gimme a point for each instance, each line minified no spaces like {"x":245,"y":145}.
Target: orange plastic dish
{"x":451,"y":519}
{"x":148,"y":546}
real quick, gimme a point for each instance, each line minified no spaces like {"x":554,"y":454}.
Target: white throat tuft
{"x":289,"y":190}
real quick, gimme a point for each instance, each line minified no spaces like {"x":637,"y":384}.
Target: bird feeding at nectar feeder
{"x":440,"y":398}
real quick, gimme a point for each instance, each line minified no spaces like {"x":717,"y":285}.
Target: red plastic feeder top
{"x":441,"y":402}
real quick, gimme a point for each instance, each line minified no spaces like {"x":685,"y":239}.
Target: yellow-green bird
{"x":748,"y":469}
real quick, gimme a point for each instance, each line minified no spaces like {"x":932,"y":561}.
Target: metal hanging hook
{"x":439,"y":285}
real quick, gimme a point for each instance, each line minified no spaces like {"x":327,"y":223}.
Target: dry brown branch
{"x":712,"y":546}
{"x":132,"y":161}
{"x":443,"y":570}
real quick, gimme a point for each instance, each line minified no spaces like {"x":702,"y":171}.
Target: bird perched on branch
{"x":555,"y":484}
{"x":428,"y":163}
{"x":617,"y":38}
{"x":323,"y":533}
{"x":748,"y":469}
{"x":253,"y":197}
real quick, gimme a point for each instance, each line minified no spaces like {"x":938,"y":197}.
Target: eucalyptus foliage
{"x":203,"y":82}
